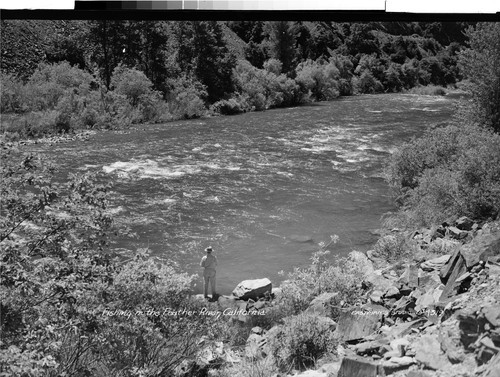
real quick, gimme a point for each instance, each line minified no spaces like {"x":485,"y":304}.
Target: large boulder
{"x":253,"y":289}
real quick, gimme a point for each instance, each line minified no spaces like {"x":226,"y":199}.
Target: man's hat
{"x":208,"y":249}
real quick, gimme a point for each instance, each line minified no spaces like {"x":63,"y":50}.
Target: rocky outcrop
{"x":253,"y":289}
{"x":436,"y":316}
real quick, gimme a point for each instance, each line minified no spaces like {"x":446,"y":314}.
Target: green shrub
{"x":301,"y":341}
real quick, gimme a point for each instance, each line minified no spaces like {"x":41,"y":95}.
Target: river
{"x":264,"y":189}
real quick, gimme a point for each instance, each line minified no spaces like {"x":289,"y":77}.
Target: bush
{"x":131,"y":83}
{"x":51,"y":81}
{"x":63,"y":292}
{"x":450,"y":172}
{"x":303,"y":284}
{"x":186,"y":98}
{"x":262,"y":88}
{"x":231,"y":106}
{"x":319,"y":78}
{"x":367,"y":83}
{"x":301,"y":341}
{"x":393,"y":247}
{"x":13,"y":95}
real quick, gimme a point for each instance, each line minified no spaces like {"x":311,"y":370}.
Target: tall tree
{"x":108,"y":46}
{"x":213,"y":62}
{"x":480,"y":64}
{"x":282,"y":36}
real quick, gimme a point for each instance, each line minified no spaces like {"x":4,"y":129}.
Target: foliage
{"x":249,"y":368}
{"x":281,"y":36}
{"x":230,"y":107}
{"x":132,"y":83}
{"x":263,"y":89}
{"x":303,"y":284}
{"x":480,"y":65}
{"x":301,"y":340}
{"x":186,"y":99}
{"x":447,"y":173}
{"x":13,"y":95}
{"x":319,"y":78}
{"x":393,"y":247}
{"x":69,"y":307}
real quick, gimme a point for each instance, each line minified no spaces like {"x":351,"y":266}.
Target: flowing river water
{"x":263,"y":188}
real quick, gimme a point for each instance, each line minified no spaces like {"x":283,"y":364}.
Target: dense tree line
{"x":197,"y":66}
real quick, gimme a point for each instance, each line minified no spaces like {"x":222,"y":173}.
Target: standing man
{"x":209,"y":263}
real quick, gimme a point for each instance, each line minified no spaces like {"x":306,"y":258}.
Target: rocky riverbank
{"x":430,"y":315}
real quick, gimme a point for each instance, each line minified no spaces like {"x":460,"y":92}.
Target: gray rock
{"x":397,"y":363}
{"x":429,"y":299}
{"x":400,"y":344}
{"x":322,"y":305}
{"x":331,"y":369}
{"x":409,"y":277}
{"x":418,"y":373}
{"x":378,"y":282}
{"x":380,"y":345}
{"x":493,"y":369}
{"x":492,"y":314}
{"x":456,"y":233}
{"x":481,"y":248}
{"x":359,"y":367}
{"x":358,"y":322}
{"x":253,"y":289}
{"x":254,"y":348}
{"x":464,"y":223}
{"x":376,"y":297}
{"x":455,"y":267}
{"x":392,"y":292}
{"x":312,"y":373}
{"x":429,"y":353}
{"x":435,"y":264}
